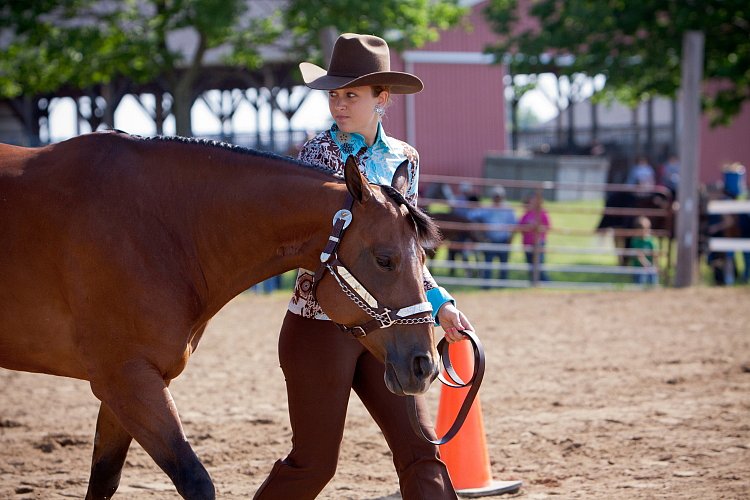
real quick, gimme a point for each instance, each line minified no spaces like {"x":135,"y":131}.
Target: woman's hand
{"x":452,"y":320}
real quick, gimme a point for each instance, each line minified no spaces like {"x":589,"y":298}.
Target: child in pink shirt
{"x":535,"y":235}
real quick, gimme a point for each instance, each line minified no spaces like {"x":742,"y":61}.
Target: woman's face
{"x":353,"y":109}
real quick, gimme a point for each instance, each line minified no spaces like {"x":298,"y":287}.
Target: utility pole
{"x":687,"y":193}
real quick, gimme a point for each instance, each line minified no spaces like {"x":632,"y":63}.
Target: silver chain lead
{"x":380,"y":317}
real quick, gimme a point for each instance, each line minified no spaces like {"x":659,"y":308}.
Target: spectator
{"x":642,"y":174}
{"x":722,"y":264}
{"x":743,"y":221}
{"x":645,"y":245}
{"x":465,"y":208}
{"x":670,"y":175}
{"x":536,"y":224}
{"x":505,"y":218}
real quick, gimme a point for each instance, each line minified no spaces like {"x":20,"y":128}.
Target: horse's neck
{"x":261,"y":221}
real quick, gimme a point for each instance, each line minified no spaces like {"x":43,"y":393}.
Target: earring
{"x":379,"y":110}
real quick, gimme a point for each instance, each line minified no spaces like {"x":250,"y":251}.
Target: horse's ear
{"x":356,"y":182}
{"x":400,"y":180}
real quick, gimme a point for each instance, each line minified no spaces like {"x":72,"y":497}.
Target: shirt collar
{"x":352,"y":143}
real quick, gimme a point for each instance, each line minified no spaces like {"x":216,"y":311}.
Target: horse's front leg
{"x":111,"y":444}
{"x":139,"y":398}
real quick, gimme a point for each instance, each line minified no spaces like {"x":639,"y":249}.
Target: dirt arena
{"x":608,"y":395}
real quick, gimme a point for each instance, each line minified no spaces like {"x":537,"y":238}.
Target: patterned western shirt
{"x":378,"y":163}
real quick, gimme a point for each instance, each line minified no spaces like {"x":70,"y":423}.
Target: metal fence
{"x":578,"y":255}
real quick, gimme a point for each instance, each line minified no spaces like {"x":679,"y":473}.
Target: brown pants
{"x":321,"y":365}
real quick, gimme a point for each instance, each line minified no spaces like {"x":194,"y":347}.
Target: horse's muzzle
{"x":409,"y":377}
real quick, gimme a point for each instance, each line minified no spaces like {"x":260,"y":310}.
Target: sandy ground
{"x":615,"y":395}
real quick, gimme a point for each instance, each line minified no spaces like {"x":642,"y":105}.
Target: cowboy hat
{"x":359,"y":60}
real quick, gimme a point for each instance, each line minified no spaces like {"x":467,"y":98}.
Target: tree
{"x":635,"y":45}
{"x":49,"y":45}
{"x":81,"y":43}
{"x":314,"y":24}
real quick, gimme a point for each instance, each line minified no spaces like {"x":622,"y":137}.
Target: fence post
{"x":687,"y":193}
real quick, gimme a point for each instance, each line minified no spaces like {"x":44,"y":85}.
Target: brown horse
{"x":116,"y":251}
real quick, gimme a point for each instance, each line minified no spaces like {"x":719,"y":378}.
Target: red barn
{"x":460,"y":114}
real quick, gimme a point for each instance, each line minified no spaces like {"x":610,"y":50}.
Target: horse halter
{"x":382,"y":317}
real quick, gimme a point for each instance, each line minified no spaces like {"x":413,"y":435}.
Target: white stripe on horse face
{"x":357,"y":287}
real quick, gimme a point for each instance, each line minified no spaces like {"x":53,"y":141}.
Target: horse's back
{"x":70,"y":248}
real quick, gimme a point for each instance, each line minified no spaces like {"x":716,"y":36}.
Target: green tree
{"x":81,"y":43}
{"x":635,"y":45}
{"x":314,"y":24}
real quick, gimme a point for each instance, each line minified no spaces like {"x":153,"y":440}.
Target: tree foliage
{"x":403,"y":23}
{"x":49,"y":45}
{"x":636,"y":45}
{"x":54,"y":44}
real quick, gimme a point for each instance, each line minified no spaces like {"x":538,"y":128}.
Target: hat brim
{"x":316,"y":77}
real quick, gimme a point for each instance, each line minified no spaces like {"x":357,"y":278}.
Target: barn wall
{"x":723,"y":145}
{"x":460,"y":115}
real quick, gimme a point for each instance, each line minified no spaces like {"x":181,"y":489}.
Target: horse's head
{"x":374,"y":281}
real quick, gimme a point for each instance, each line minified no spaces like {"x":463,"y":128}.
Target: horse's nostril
{"x":422,"y":367}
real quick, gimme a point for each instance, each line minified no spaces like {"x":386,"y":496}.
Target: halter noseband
{"x":382,"y":317}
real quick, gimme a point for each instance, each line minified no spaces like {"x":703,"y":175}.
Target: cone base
{"x":494,"y":488}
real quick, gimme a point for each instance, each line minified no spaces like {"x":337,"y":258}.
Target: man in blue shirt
{"x":504,"y":219}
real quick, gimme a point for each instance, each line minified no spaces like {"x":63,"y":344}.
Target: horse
{"x":621,"y":209}
{"x":117,"y":250}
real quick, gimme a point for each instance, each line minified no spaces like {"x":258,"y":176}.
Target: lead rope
{"x":455,"y":382}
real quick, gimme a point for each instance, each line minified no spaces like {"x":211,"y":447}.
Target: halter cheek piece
{"x":382,"y":317}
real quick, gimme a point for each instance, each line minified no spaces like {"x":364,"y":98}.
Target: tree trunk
{"x":181,"y":107}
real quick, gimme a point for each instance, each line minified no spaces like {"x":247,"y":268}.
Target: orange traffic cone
{"x":466,"y":455}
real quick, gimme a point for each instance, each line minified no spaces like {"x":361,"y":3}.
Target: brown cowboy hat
{"x":359,"y":60}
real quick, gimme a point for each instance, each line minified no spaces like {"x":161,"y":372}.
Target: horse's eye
{"x":384,"y":262}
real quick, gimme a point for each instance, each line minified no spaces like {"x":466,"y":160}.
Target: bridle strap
{"x":456,"y":382}
{"x":333,"y":241}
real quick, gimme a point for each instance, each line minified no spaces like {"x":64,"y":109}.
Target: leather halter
{"x":382,"y":317}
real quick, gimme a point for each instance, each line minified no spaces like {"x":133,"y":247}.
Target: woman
{"x":359,"y":83}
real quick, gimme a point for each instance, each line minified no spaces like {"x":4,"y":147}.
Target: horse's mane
{"x":239,"y":149}
{"x":427,"y":231}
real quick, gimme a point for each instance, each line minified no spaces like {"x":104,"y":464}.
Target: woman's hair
{"x":377,"y":89}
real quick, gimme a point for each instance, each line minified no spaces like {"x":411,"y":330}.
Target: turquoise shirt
{"x":380,"y":163}
{"x":380,"y":160}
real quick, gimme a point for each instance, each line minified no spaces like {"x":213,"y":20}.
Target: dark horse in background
{"x":116,"y":251}
{"x":458,"y":236}
{"x":622,"y":207}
